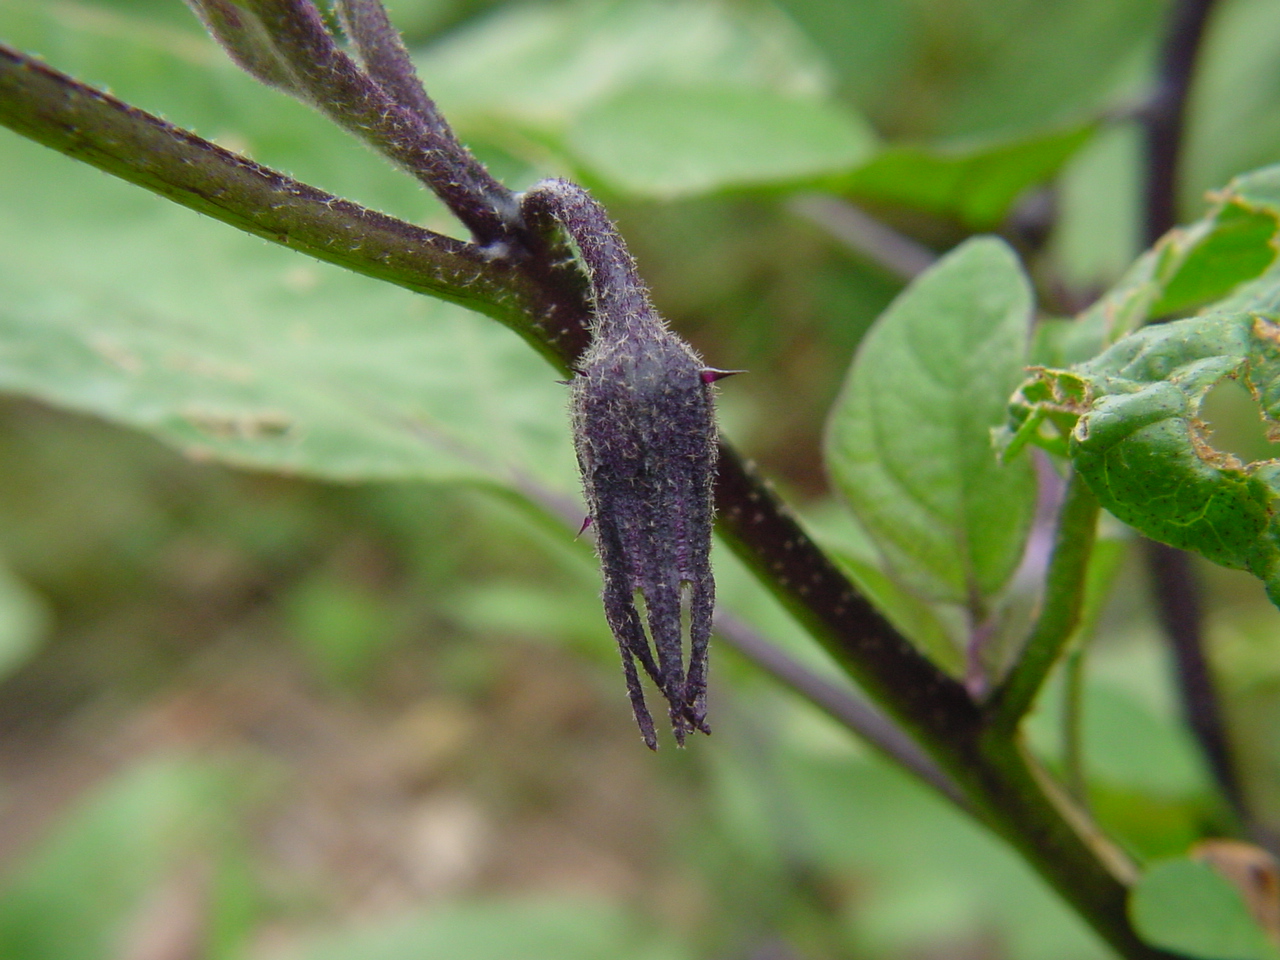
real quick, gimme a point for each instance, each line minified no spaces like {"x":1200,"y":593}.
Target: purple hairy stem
{"x":387,"y":61}
{"x":645,"y":435}
{"x":287,"y":43}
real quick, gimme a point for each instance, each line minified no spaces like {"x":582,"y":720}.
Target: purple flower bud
{"x":645,"y":435}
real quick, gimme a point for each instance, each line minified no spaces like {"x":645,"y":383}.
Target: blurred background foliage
{"x":248,"y":716}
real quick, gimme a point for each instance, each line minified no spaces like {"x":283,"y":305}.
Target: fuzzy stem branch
{"x":388,"y":62}
{"x":414,"y":136}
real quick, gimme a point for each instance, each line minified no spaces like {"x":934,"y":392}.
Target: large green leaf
{"x":119,"y":304}
{"x":976,"y":184}
{"x":540,"y":66}
{"x":1190,"y":908}
{"x":652,"y":98}
{"x":908,"y":442}
{"x":669,"y":141}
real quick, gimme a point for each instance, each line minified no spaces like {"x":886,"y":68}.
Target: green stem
{"x":1072,"y":718}
{"x":1060,"y":614}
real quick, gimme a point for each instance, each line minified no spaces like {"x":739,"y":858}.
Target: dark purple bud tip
{"x":711,"y":374}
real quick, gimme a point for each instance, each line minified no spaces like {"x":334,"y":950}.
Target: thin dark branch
{"x":866,"y":236}
{"x":1178,"y":609}
{"x":387,"y":61}
{"x":839,"y":701}
{"x":246,"y":42}
{"x":928,"y":702}
{"x":1174,"y":584}
{"x":1165,"y":115}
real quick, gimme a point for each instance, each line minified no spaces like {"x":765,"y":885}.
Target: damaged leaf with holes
{"x":1130,"y":419}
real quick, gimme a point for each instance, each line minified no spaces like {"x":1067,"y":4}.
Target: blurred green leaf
{"x":977,"y":185}
{"x":653,"y":98}
{"x":341,"y":626}
{"x":908,"y":441}
{"x":1233,"y":125}
{"x":929,"y":876}
{"x":124,"y":306}
{"x":1098,"y":228}
{"x":867,"y":42}
{"x":666,"y":141}
{"x":24,"y":619}
{"x":1008,"y":65}
{"x":1126,"y":744}
{"x":546,"y":929}
{"x":539,"y":66}
{"x":74,"y":897}
{"x":1190,"y":908}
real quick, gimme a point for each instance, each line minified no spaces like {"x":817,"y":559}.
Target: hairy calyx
{"x":644,"y":431}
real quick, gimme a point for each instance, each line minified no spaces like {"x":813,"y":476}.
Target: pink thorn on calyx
{"x":711,"y":374}
{"x":586,"y":522}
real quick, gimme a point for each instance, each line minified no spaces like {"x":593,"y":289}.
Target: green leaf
{"x":1015,"y":64}
{"x":1139,"y":443}
{"x":665,"y":141}
{"x":908,"y":441}
{"x":539,"y":67}
{"x":649,"y":98}
{"x":1190,"y":908}
{"x":975,"y":184}
{"x":122,"y":305}
{"x":75,"y":895}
